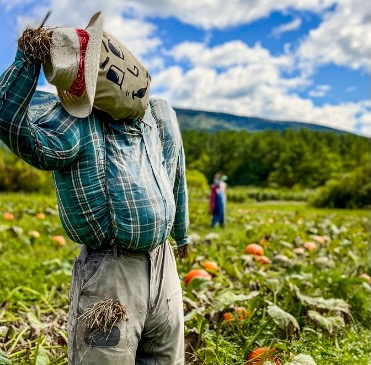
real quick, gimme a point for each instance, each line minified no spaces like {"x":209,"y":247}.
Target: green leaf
{"x":332,"y":304}
{"x":208,"y":355}
{"x":228,"y":298}
{"x":189,"y":316}
{"x":302,"y":359}
{"x":331,"y":325}
{"x":42,"y":357}
{"x":4,"y":360}
{"x":282,"y":319}
{"x":35,"y":322}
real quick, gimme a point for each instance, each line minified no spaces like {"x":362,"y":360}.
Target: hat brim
{"x":81,"y":107}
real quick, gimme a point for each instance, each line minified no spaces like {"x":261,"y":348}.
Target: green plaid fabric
{"x":121,"y":182}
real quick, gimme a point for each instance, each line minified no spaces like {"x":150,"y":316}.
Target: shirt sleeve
{"x":181,"y":221}
{"x":48,"y":143}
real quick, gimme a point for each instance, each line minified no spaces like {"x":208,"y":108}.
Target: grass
{"x":312,"y":303}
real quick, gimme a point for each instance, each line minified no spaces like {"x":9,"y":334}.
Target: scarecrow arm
{"x":181,"y":221}
{"x":47,"y":143}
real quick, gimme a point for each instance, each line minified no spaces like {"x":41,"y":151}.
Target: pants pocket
{"x":92,"y":269}
{"x":175,"y":306}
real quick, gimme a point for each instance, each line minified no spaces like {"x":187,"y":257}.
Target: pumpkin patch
{"x":253,"y":293}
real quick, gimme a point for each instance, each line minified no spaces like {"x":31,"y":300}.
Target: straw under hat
{"x":73,"y":65}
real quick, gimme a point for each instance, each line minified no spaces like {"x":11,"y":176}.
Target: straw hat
{"x":73,"y":65}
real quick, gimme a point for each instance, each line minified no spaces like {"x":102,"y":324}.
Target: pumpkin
{"x":262,"y":354}
{"x":8,"y":216}
{"x":210,"y":265}
{"x":40,"y":216}
{"x":196,"y":273}
{"x":228,"y":316}
{"x":263,"y":260}
{"x":60,"y":240}
{"x":310,"y":246}
{"x":242,"y":313}
{"x":254,"y":249}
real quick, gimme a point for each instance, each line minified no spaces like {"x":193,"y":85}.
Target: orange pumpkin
{"x":263,"y":260}
{"x":60,"y":240}
{"x":242,"y":313}
{"x":310,"y":246}
{"x":196,"y":273}
{"x":8,"y":216}
{"x":254,"y":249}
{"x":228,"y":316}
{"x":262,"y":354}
{"x":211,"y":265}
{"x":40,"y":216}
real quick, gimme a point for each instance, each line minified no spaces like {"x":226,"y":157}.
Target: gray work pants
{"x":147,"y":284}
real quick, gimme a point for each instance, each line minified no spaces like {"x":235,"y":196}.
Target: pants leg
{"x":103,"y":277}
{"x":162,"y":340}
{"x":148,"y":286}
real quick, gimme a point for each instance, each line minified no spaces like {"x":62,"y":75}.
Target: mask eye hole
{"x":115,"y":50}
{"x":115,"y":75}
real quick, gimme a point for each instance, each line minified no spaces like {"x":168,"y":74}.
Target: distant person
{"x":218,"y":200}
{"x":119,"y":172}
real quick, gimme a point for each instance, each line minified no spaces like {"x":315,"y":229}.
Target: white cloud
{"x":342,"y":38}
{"x":228,"y":54}
{"x":254,"y":86}
{"x":364,"y":126}
{"x":209,"y":14}
{"x":137,"y":34}
{"x":206,"y":14}
{"x":288,"y":27}
{"x":319,"y":91}
{"x":237,"y":66}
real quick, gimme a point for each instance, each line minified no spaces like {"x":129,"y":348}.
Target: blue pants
{"x":219,"y":210}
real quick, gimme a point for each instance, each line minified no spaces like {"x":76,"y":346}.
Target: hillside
{"x":214,"y":121}
{"x":198,"y":119}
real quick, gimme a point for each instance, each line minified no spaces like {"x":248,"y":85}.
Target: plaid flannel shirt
{"x":122,"y":182}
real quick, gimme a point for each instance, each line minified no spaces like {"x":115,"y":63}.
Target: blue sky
{"x":302,"y":61}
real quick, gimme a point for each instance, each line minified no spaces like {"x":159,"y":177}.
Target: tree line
{"x":291,"y":158}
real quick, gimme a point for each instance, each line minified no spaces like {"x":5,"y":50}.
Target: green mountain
{"x":198,"y":119}
{"x":214,"y":121}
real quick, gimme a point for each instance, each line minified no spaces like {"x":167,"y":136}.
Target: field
{"x":308,"y":303}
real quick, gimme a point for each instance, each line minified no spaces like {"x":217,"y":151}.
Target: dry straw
{"x":36,"y":42}
{"x":103,"y":315}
